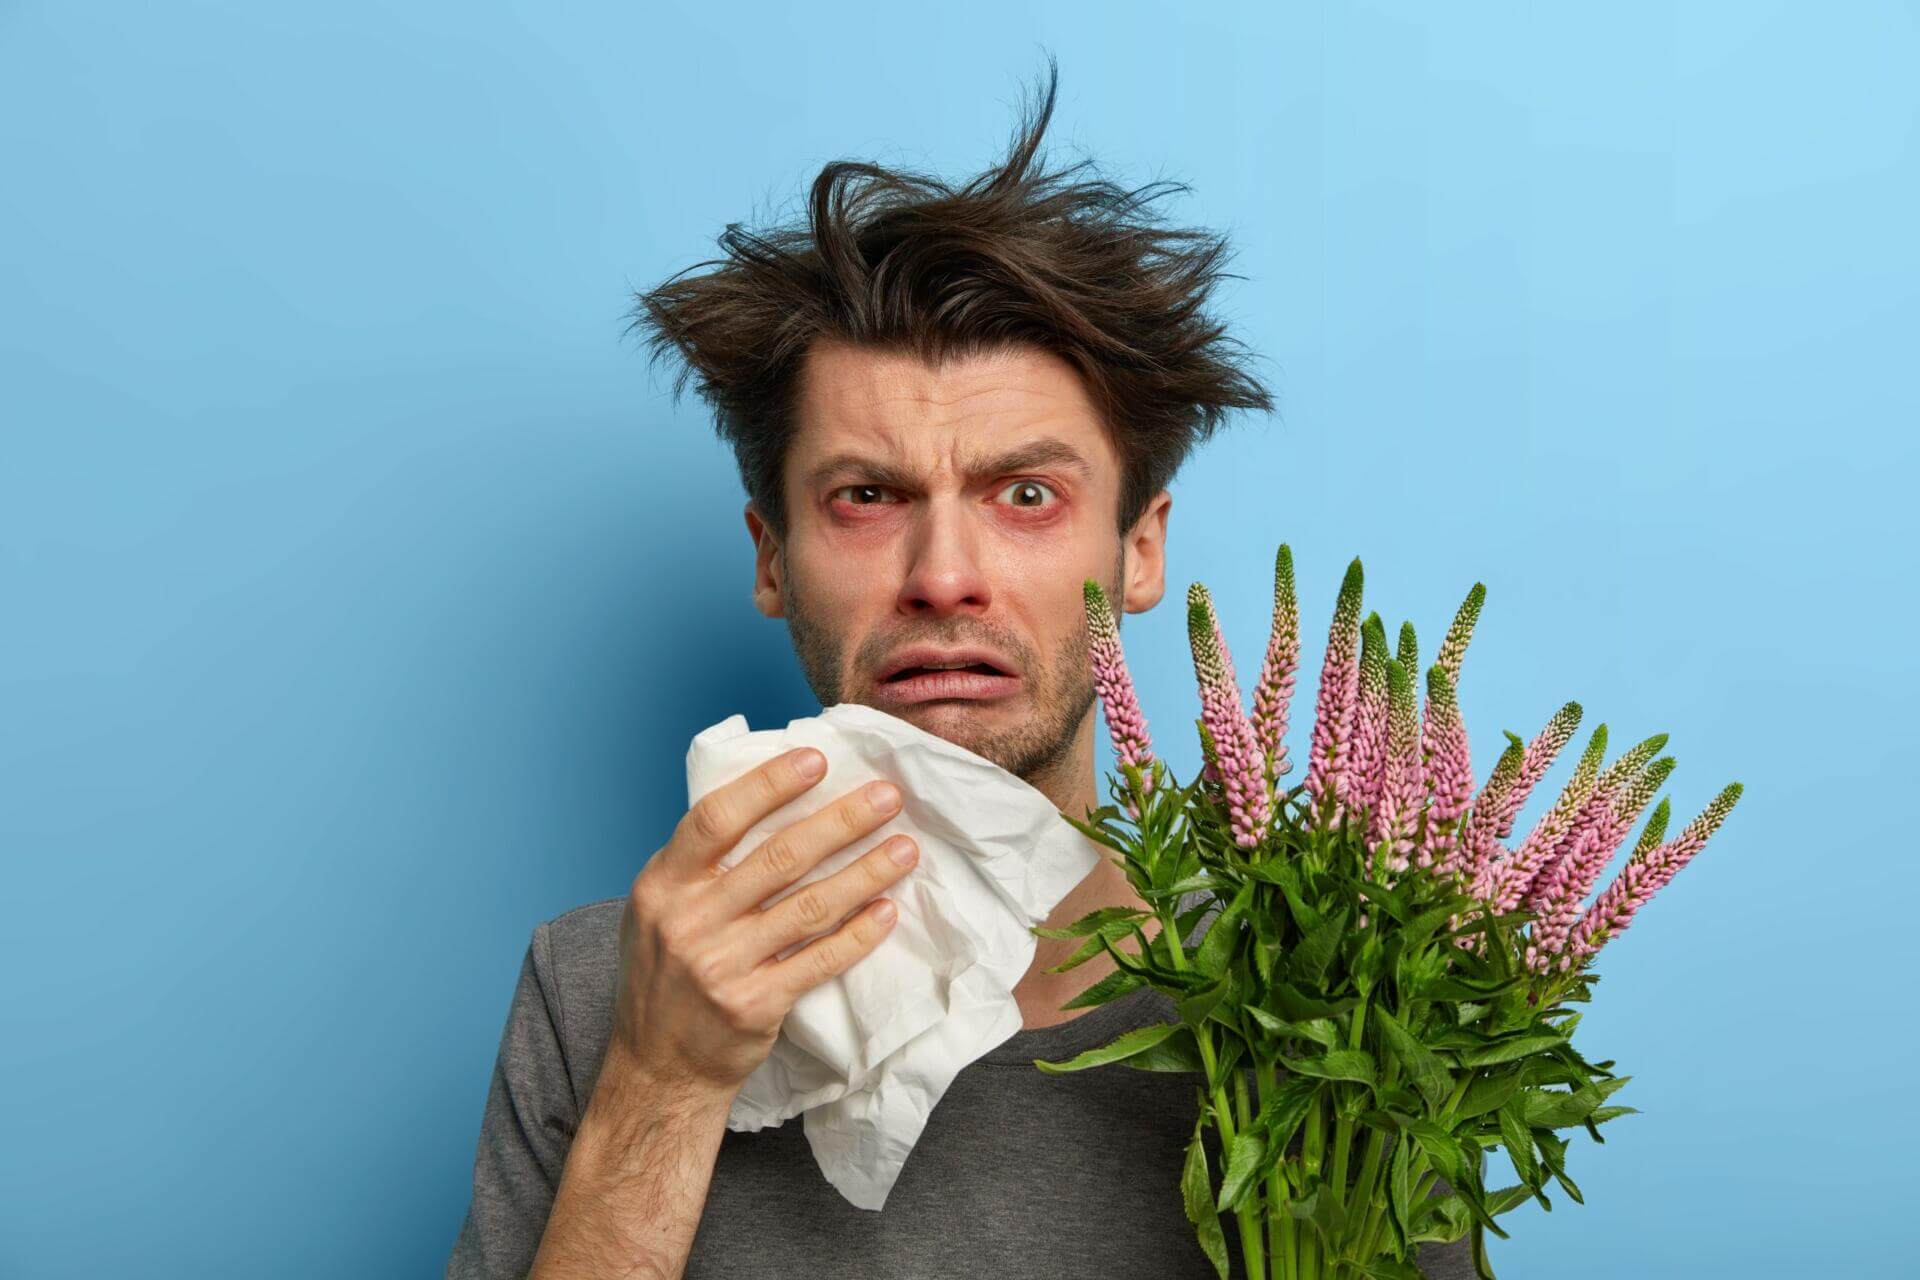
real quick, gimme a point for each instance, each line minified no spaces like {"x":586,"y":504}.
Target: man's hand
{"x":698,"y":1002}
{"x":701,"y":995}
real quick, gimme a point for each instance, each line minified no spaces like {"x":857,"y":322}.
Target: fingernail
{"x":811,"y":764}
{"x":883,"y":912}
{"x":882,"y":795}
{"x":902,"y":852}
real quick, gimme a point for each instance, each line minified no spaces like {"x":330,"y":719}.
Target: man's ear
{"x":1144,"y":551}
{"x":768,"y":596}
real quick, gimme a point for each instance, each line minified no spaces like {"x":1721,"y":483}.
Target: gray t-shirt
{"x":1018,"y":1173}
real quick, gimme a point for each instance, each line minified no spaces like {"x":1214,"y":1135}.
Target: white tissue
{"x":867,"y":1054}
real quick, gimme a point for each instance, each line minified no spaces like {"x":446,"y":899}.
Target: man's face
{"x":955,"y":508}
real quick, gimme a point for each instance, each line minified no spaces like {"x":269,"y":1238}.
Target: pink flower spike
{"x":1647,"y":872}
{"x":1479,"y":847}
{"x":1367,"y":765}
{"x":1608,"y":789}
{"x":1240,"y":759}
{"x":1395,"y":819}
{"x":1338,"y":698}
{"x":1527,"y":863}
{"x":1125,"y":723}
{"x":1449,"y":772}
{"x":1541,"y":753}
{"x":1274,"y":692}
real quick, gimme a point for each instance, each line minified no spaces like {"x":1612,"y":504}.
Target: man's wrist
{"x":633,"y":1105}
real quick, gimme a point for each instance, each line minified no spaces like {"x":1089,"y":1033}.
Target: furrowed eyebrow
{"x":1033,"y":456}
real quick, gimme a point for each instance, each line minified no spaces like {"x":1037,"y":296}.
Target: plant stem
{"x":1368,"y":1188}
{"x":1248,"y":1219}
{"x":1312,"y":1154}
{"x":1279,"y":1227}
{"x":1245,"y":1223}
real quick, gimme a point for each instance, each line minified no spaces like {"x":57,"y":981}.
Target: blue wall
{"x":361,"y":588}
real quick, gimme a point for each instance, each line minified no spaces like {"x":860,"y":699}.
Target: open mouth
{"x":975,"y":682}
{"x":906,"y":673}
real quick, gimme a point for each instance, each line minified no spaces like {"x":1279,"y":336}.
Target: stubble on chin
{"x":1058,"y":695}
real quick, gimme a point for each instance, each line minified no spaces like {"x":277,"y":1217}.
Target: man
{"x":950,"y":407}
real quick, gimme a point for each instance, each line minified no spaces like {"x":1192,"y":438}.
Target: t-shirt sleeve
{"x":525,"y":1132}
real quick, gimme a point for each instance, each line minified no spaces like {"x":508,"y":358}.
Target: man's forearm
{"x":635,"y":1182}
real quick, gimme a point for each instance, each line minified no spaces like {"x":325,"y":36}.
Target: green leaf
{"x":1369,"y":962}
{"x":1195,"y":1008}
{"x":1180,"y":888}
{"x":1113,"y":986}
{"x":1186,"y":920}
{"x":1177,"y":979}
{"x":1400,"y":1190}
{"x":1510,"y":1049}
{"x":1443,"y":1150}
{"x":1196,"y":1190}
{"x":1391,"y":1269}
{"x":1296,"y":1005}
{"x":1507,"y":1199}
{"x":1441,"y":1220}
{"x":1320,"y":1031}
{"x":1095,"y":920}
{"x":1125,"y":1045}
{"x":1243,"y":1161}
{"x":1551,"y":1109}
{"x":1422,"y":927}
{"x":1553,"y":1151}
{"x":1222,"y":934}
{"x":1230,"y":1051}
{"x":1103,"y":834}
{"x":1461,"y":987}
{"x":1392,"y":901}
{"x":1273,"y":1022}
{"x":1603,"y":1114}
{"x":1427,"y":1072}
{"x":1281,"y":1114}
{"x":1356,"y":1065}
{"x":1488,"y":1093}
{"x":1308,"y":963}
{"x":1113,"y":931}
{"x":1518,"y":1140}
{"x":1305,"y":914}
{"x":1177,"y":1052}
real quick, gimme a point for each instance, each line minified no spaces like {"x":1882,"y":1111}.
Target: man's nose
{"x":944,"y":573}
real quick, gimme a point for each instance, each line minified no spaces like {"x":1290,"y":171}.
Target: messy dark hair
{"x":1020,"y":255}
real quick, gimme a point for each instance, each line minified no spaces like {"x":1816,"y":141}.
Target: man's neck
{"x":1040,"y":994}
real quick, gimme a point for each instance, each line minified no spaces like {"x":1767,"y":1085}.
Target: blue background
{"x":362,"y":586}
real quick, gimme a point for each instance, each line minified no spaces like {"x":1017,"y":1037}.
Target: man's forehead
{"x":964,"y":411}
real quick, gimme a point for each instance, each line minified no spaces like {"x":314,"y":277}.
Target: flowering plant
{"x":1394,"y":975}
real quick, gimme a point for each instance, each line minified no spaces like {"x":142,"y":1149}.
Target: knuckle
{"x":825,"y":961}
{"x":855,"y":815}
{"x":769,"y":783}
{"x":706,"y":970}
{"x":646,"y":897}
{"x":706,"y":821}
{"x":781,"y":858}
{"x":810,"y":908}
{"x":741,"y":1012}
{"x":675,"y":932}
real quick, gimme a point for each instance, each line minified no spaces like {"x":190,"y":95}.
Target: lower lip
{"x":932,"y":686}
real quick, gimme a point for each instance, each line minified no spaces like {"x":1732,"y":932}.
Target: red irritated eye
{"x":1026,"y":494}
{"x":863,"y":495}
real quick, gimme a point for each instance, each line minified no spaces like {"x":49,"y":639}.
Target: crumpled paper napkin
{"x":866,"y":1055}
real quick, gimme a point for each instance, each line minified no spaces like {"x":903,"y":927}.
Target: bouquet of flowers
{"x":1394,"y":974}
